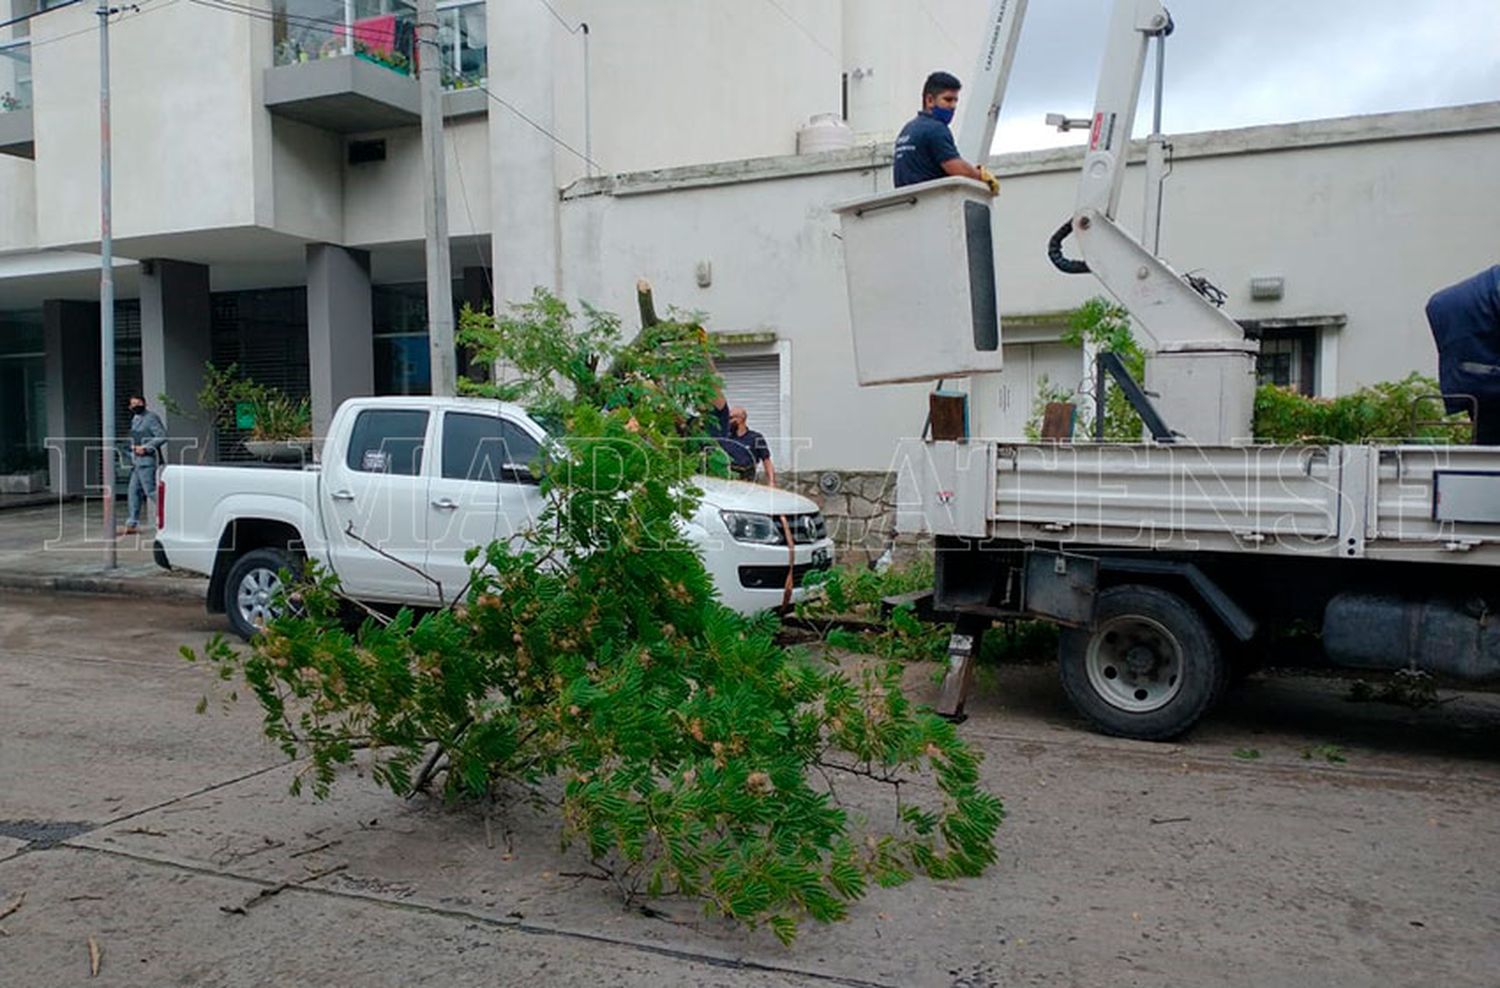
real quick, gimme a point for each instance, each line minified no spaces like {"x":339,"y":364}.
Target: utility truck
{"x":1164,"y":560}
{"x":407,"y":485}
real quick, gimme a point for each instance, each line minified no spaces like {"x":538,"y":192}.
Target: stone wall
{"x":860,"y":506}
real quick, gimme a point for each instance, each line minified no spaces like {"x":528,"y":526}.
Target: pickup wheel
{"x":251,"y":590}
{"x":1148,"y":669}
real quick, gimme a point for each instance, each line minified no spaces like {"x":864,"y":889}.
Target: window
{"x":388,"y":440}
{"x":480,"y":447}
{"x":403,"y":359}
{"x":1288,"y":359}
{"x":15,"y":75}
{"x":461,"y":38}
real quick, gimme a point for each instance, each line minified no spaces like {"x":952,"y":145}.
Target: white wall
{"x":182,"y":101}
{"x":676,"y":82}
{"x":17,"y":204}
{"x":307,"y":192}
{"x":382,"y":200}
{"x":1360,"y":222}
{"x":776,"y":266}
{"x":892,"y":45}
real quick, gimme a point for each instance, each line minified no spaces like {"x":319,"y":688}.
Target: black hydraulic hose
{"x":1055,"y":252}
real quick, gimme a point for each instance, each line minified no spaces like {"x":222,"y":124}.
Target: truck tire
{"x":1148,"y":669}
{"x":251,"y":588}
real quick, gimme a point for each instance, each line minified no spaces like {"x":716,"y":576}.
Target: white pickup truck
{"x":410,"y":484}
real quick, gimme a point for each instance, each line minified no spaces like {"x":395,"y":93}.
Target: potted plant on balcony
{"x":9,"y":101}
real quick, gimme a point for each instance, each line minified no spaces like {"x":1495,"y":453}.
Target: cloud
{"x":1241,"y":63}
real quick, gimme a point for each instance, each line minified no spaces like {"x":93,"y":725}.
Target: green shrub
{"x":1380,"y":411}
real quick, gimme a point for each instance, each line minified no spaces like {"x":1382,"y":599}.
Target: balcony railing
{"x":383,"y":32}
{"x":15,"y":75}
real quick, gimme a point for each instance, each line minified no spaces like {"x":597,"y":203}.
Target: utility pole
{"x":435,"y":203}
{"x":106,"y":295}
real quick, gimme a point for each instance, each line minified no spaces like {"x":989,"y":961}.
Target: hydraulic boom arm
{"x":1203,"y":364}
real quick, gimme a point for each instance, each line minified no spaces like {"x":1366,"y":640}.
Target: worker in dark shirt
{"x":1465,"y":321}
{"x":925,"y":150}
{"x":747,"y":448}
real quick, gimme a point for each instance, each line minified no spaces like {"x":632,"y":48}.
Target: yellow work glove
{"x":990,"y":180}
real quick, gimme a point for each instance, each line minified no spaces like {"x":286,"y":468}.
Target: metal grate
{"x":265,"y":333}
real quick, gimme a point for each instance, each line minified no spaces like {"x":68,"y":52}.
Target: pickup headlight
{"x":745,"y":526}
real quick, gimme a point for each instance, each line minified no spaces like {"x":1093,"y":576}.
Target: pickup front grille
{"x":774,"y":577}
{"x":807,"y":529}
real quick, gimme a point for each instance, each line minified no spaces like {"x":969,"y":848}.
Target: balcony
{"x":15,"y":99}
{"x":349,"y":65}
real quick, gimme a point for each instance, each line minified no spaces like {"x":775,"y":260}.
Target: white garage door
{"x":755,"y":383}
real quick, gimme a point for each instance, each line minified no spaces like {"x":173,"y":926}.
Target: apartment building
{"x":267,"y":205}
{"x":268,"y":208}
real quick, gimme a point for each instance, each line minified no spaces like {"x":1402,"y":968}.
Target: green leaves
{"x":1403,"y":409}
{"x":697,"y":757}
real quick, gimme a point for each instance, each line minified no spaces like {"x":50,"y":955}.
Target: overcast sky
{"x":1235,"y":63}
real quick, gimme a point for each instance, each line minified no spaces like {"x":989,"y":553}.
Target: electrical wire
{"x":270,"y":16}
{"x":138,"y":9}
{"x":581,"y":26}
{"x":806,"y":33}
{"x":484,"y":264}
{"x":939,"y":25}
{"x":543,"y":130}
{"x":256,"y":13}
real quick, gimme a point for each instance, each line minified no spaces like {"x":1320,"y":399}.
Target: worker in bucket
{"x":925,"y":150}
{"x":1465,"y":322}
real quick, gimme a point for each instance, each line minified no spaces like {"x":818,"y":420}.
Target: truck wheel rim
{"x":1134,"y":663}
{"x":257,"y":596}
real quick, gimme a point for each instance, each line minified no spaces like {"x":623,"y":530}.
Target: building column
{"x":523,"y":169}
{"x":176,"y":341}
{"x":340,"y":335}
{"x":70,"y":333}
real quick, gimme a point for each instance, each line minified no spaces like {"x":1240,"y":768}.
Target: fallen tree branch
{"x":349,"y":531}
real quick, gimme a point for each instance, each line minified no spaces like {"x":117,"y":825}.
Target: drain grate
{"x":42,"y":834}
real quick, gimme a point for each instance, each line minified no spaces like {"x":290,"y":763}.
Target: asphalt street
{"x":1295,"y":838}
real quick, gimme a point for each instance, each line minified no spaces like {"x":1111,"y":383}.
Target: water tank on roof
{"x":824,"y":132}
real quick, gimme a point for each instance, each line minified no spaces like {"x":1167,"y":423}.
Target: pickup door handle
{"x":445,"y":504}
{"x":342,"y":495}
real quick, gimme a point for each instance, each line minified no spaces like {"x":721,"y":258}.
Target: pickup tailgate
{"x":200,"y":505}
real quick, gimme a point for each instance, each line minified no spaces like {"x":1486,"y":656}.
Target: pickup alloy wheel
{"x":252,"y":590}
{"x":1148,"y":669}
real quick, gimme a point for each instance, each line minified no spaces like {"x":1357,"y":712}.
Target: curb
{"x":104,"y":586}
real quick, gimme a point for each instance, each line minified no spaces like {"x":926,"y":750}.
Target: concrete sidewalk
{"x":59,"y":548}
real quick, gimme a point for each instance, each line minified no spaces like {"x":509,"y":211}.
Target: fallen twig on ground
{"x":277,"y":889}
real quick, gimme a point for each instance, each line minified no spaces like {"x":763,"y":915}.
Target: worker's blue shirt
{"x":922,"y":147}
{"x":1465,"y":321}
{"x":744,"y":451}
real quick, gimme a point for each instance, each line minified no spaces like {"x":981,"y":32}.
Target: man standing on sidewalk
{"x":147,"y":437}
